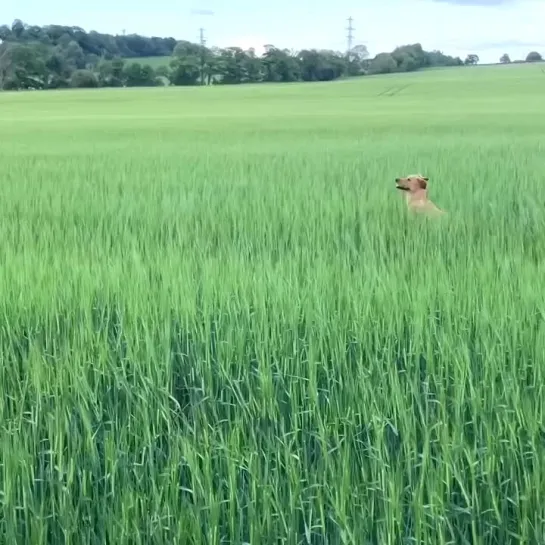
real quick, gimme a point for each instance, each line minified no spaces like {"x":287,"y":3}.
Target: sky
{"x":488,"y":28}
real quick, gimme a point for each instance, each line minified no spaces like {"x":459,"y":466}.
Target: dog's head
{"x":412,"y":183}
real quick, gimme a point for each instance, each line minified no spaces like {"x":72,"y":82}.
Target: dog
{"x":415,"y":187}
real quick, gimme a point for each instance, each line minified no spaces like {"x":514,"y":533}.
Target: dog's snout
{"x":397,"y":180}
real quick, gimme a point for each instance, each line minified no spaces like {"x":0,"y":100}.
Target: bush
{"x":83,"y":79}
{"x":10,"y":84}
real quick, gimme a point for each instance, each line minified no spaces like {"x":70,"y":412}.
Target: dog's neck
{"x":419,"y":195}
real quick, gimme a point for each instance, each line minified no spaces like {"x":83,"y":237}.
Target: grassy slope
{"x":155,"y":62}
{"x":227,"y":305}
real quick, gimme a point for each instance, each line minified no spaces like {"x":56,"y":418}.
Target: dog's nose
{"x":397,"y":180}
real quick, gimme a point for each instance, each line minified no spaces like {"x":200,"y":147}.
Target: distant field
{"x":220,"y":326}
{"x":154,"y":62}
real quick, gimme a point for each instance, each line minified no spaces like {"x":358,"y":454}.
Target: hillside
{"x":154,"y":62}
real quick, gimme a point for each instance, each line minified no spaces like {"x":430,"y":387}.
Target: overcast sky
{"x":486,"y":27}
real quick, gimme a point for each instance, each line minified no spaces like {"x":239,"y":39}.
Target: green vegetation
{"x":55,"y":56}
{"x":220,"y":326}
{"x":155,"y":62}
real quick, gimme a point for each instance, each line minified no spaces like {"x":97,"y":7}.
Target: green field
{"x":154,"y":62}
{"x":219,"y":325}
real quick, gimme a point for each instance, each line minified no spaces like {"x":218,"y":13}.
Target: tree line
{"x":56,"y":56}
{"x":533,"y":56}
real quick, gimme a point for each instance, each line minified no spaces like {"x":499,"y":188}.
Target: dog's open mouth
{"x":403,"y":188}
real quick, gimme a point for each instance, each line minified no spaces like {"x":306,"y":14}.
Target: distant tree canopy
{"x":90,"y":43}
{"x":534,"y":56}
{"x":55,"y":56}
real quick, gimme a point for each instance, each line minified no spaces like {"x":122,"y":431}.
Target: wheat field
{"x":219,"y":325}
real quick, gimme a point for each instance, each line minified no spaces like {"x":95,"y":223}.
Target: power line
{"x":350,"y":36}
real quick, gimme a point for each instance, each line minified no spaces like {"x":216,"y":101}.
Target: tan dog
{"x":416,"y":189}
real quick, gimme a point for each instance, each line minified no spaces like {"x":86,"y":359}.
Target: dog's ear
{"x":423,"y":182}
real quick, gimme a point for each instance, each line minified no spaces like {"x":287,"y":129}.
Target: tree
{"x":357,"y":60}
{"x":357,"y":57}
{"x":17,"y":29}
{"x":213,"y":66}
{"x":73,"y":54}
{"x":52,"y":56}
{"x":321,"y":65}
{"x":254,"y":67}
{"x":187,"y":63}
{"x":280,"y":66}
{"x":359,"y":52}
{"x":110,"y":73}
{"x":505,"y":59}
{"x":5,"y":33}
{"x":471,"y":59}
{"x":83,"y":79}
{"x":410,"y":57}
{"x":22,"y":66}
{"x":234,"y":65}
{"x":91,"y":61}
{"x":383,"y":63}
{"x":534,"y":56}
{"x":162,"y":72}
{"x":58,"y":71}
{"x":103,"y":45}
{"x":438,"y":58}
{"x":136,"y":75}
{"x":184,"y":71}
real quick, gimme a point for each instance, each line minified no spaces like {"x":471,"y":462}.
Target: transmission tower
{"x":202,"y":41}
{"x":349,"y":36}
